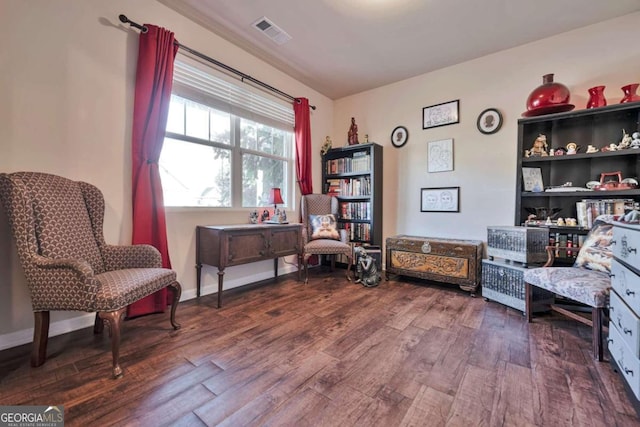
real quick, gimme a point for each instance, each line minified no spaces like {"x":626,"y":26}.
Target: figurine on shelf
{"x":625,"y":142}
{"x":539,"y":148}
{"x":366,"y":138}
{"x":353,"y":132}
{"x":591,"y":149}
{"x":635,"y":141}
{"x":610,"y":147}
{"x":572,"y":148}
{"x":560,"y":222}
{"x":253,"y":217}
{"x":326,"y":146}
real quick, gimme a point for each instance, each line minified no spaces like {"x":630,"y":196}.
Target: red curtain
{"x":154,"y":78}
{"x":302,"y":129}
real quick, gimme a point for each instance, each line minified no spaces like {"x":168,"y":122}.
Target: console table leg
{"x":220,"y":279}
{"x":198,"y":277}
{"x":275,"y":266}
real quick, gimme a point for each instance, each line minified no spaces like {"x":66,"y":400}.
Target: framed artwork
{"x":489,"y":121}
{"x":532,"y":179}
{"x":440,"y":155}
{"x":399,"y":136}
{"x":443,"y":114}
{"x":440,"y":199}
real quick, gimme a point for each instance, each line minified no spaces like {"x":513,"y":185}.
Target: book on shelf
{"x":588,"y":210}
{"x":360,"y":162}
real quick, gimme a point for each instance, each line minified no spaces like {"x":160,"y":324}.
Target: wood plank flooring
{"x":329,"y":353}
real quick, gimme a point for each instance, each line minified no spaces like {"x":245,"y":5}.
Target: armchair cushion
{"x":595,"y":253}
{"x":324,"y":227}
{"x":120,"y":288}
{"x":579,"y":284}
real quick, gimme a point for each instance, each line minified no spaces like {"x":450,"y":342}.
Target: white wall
{"x":67,"y":75}
{"x":484,"y":165}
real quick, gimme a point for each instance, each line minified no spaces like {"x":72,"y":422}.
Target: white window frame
{"x":198,"y":84}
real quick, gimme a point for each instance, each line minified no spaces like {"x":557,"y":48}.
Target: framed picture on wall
{"x":440,"y":199}
{"x":443,"y":114}
{"x":440,"y":155}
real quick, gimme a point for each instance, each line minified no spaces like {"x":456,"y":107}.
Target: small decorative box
{"x":521,"y":244}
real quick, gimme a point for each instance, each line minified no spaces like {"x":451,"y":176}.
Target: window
{"x":218,"y":152}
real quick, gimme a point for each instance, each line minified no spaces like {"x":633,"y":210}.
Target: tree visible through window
{"x":216,"y":159}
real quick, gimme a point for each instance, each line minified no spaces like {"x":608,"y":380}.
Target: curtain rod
{"x":242,"y":75}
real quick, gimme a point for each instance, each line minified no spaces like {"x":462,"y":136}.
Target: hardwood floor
{"x":330,"y":353}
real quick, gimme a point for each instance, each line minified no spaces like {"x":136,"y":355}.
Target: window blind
{"x":192,"y":82}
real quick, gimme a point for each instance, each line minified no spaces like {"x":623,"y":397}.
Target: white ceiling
{"x":342,"y":47}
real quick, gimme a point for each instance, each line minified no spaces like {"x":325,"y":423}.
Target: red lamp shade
{"x":275,"y":197}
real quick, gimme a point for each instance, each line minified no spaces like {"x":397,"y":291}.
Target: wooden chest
{"x":442,"y":260}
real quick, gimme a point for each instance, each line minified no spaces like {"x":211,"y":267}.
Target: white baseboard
{"x":25,"y":336}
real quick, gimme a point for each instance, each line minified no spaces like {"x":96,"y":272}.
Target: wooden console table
{"x":227,"y":245}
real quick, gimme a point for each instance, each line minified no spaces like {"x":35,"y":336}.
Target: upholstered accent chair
{"x":57,"y":224}
{"x":587,"y":282}
{"x":321,"y":206}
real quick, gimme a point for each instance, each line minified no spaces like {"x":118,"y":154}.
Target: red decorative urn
{"x":630,"y":93}
{"x":596,"y":97}
{"x":550,"y":97}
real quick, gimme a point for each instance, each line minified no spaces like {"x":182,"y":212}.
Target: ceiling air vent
{"x":271,"y":30}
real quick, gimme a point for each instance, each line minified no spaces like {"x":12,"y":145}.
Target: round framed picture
{"x":399,"y":136}
{"x":489,"y":121}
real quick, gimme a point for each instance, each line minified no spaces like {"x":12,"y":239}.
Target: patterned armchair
{"x":58,"y":228}
{"x":319,"y":231}
{"x":588,"y":282}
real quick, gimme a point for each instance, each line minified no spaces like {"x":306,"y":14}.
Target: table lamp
{"x":275,"y":198}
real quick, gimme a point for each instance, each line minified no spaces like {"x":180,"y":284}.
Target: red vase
{"x":630,"y":93}
{"x":550,"y":97}
{"x":596,"y":97}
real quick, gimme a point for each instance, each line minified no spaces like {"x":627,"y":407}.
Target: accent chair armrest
{"x":72,"y":281}
{"x":118,"y":257}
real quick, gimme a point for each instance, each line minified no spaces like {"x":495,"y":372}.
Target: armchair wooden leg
{"x":306,"y":269}
{"x":177,"y":291}
{"x":98,"y":325}
{"x":114,"y":319}
{"x":527,"y":301}
{"x":596,"y":319}
{"x":40,"y":338}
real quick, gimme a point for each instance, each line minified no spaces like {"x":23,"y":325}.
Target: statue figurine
{"x":539,"y":148}
{"x":366,"y":268}
{"x":253,"y":217}
{"x":366,"y":138}
{"x":353,"y":133}
{"x":625,"y":142}
{"x":326,"y":146}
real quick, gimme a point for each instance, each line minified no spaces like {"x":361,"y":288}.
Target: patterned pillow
{"x":595,"y":253}
{"x":323,"y":227}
